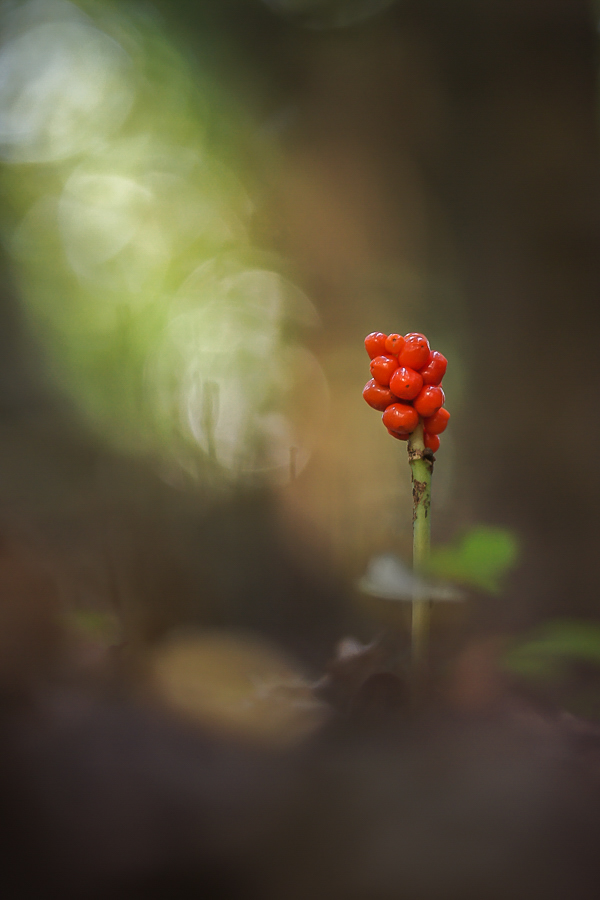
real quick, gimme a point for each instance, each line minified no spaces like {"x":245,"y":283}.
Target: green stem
{"x":421,"y":463}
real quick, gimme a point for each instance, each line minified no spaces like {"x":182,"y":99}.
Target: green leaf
{"x":480,"y":559}
{"x":545,"y":655}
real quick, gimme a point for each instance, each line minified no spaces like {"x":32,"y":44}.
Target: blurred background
{"x":206,"y":207}
{"x":205,"y":533}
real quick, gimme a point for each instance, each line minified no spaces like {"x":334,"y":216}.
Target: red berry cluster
{"x":405,"y":385}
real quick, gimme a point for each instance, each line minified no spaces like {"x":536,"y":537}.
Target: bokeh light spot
{"x":132,"y":241}
{"x":226,"y":377}
{"x":64,"y":88}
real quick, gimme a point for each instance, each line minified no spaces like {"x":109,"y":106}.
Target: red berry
{"x":432,"y":441}
{"x":436,"y":423}
{"x":375,"y":344}
{"x":382,"y":368}
{"x":406,"y":383}
{"x":400,"y":417}
{"x":377,"y":396}
{"x":415,"y":353}
{"x":435,"y":369}
{"x":430,"y":398}
{"x":394,"y":344}
{"x":398,"y":435}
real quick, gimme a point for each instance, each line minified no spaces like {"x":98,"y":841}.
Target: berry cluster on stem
{"x":406,"y":388}
{"x":406,"y":385}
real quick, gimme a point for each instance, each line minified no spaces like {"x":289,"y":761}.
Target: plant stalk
{"x":421,"y":461}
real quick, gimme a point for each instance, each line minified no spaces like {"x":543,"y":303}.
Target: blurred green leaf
{"x":99,"y":626}
{"x":480,"y":559}
{"x":545,"y":655}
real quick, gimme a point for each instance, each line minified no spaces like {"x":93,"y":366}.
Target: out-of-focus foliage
{"x":548,"y":652}
{"x":129,"y":226}
{"x":479,"y":559}
{"x":559,"y":664}
{"x":65,"y":85}
{"x":247,"y":397}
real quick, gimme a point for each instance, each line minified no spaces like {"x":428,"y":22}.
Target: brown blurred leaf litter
{"x":214,"y":765}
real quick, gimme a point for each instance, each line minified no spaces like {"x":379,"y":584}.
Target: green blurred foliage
{"x":547,"y":655}
{"x":480,"y":559}
{"x":102,"y":627}
{"x":129,"y":214}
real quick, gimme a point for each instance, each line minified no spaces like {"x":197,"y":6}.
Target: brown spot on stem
{"x":421,"y":497}
{"x":419,"y":488}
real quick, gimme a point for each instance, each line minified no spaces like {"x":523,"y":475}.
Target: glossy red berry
{"x":405,"y":383}
{"x":394,"y":344}
{"x":432,"y":441}
{"x":435,"y":369}
{"x":377,"y":396}
{"x":415,"y":353}
{"x":400,"y":417}
{"x":382,"y":369}
{"x":398,"y":435}
{"x":436,"y":423}
{"x":429,"y":400}
{"x":375,"y":344}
